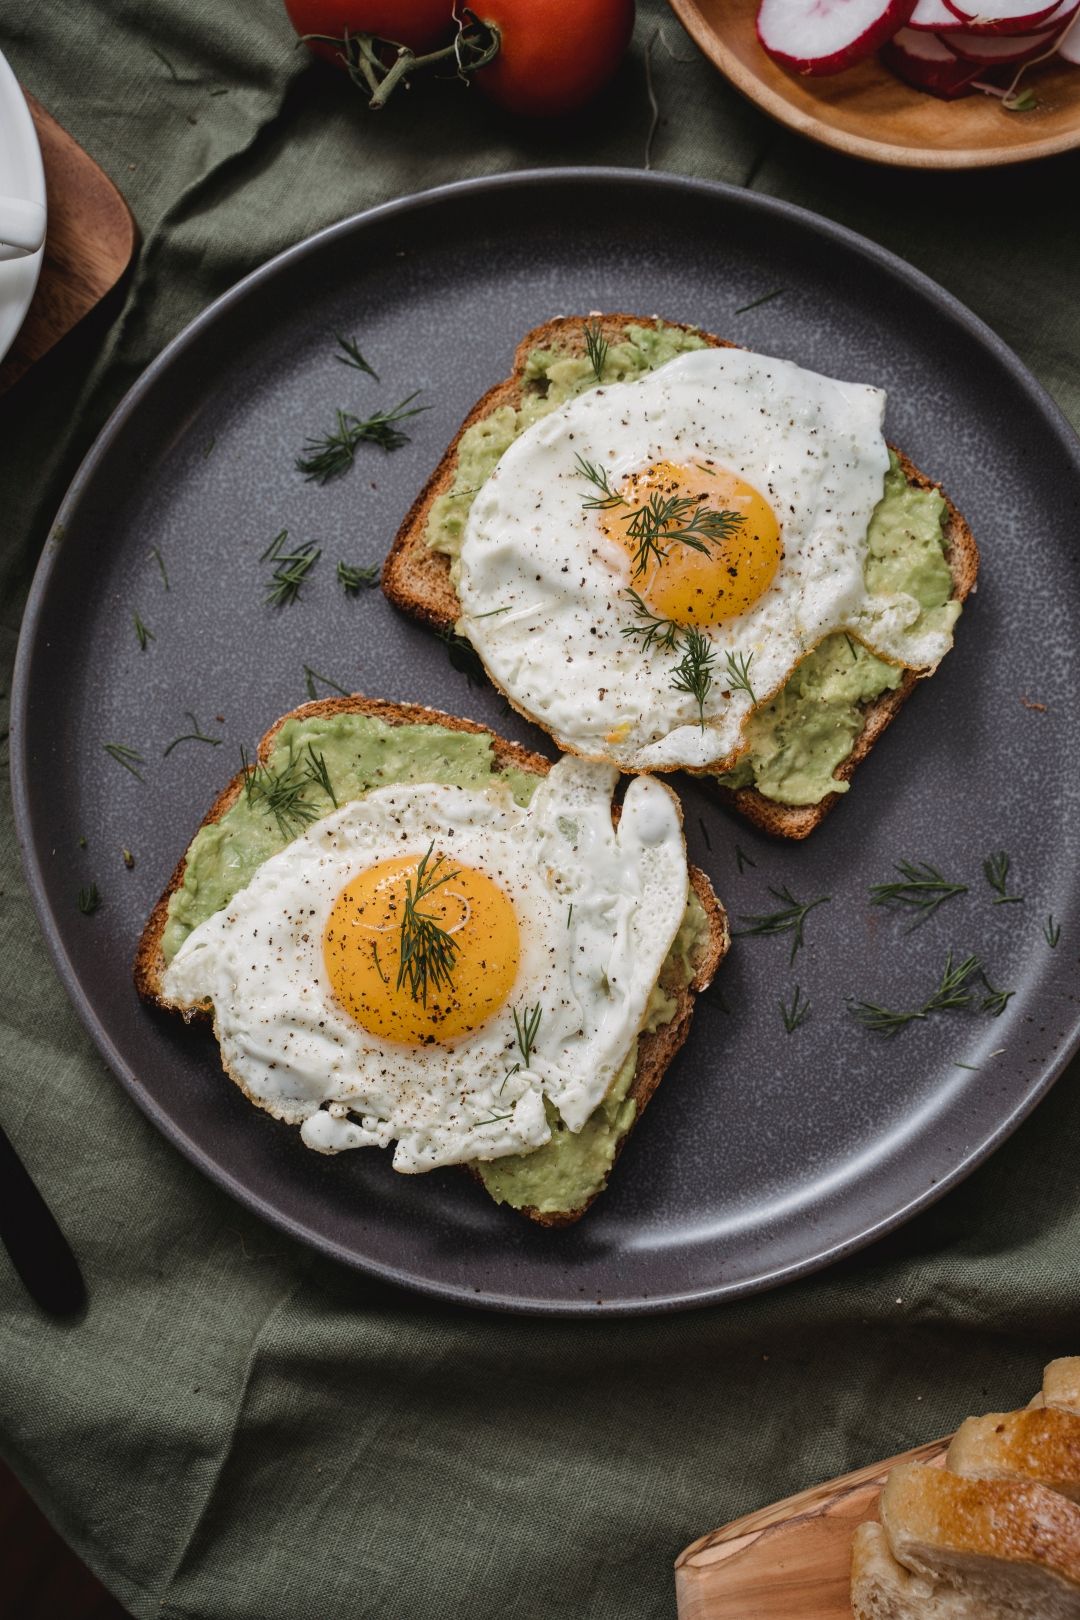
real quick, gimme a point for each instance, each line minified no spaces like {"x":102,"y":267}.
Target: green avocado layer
{"x":570,"y":1169}
{"x":362,"y":752}
{"x":797,"y":740}
{"x":810,"y":727}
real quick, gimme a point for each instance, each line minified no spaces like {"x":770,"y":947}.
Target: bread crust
{"x":1040,"y":1443}
{"x":655,"y":1050}
{"x":417,"y":579}
{"x":937,"y":1522}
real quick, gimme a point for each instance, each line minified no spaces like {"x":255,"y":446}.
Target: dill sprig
{"x":291,"y":568}
{"x":996,"y":871}
{"x":596,"y":348}
{"x":1051,"y":932}
{"x":318,"y":773}
{"x":737,"y":669}
{"x":463,"y":655}
{"x":742,"y":859}
{"x":756,"y":303}
{"x":354,"y":579}
{"x":282,"y":793}
{"x":666,"y":518}
{"x":953,"y":993}
{"x":427,"y":950}
{"x":652,"y":630}
{"x":196,"y":734}
{"x":129,"y":758}
{"x":526,"y":1026}
{"x":797,"y":1013}
{"x":995,"y":1001}
{"x":598,"y":478}
{"x":159,"y":559}
{"x":353,"y":357}
{"x":693,"y":673}
{"x":790,"y":919}
{"x":143,"y":633}
{"x":332,"y":455}
{"x":88,"y":899}
{"x":312,"y":675}
{"x":660,"y":520}
{"x":922,"y":889}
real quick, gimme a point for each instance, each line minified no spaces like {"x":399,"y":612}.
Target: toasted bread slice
{"x":1015,"y":1547}
{"x":417,"y":579}
{"x":1040,"y":1443}
{"x":655,"y":1050}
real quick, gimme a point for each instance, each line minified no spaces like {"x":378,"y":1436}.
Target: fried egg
{"x":650,"y":561}
{"x":546,"y":929}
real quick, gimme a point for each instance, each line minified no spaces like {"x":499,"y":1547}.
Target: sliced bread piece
{"x":1014,"y":1547}
{"x":882,"y":1589}
{"x":656,"y":1049}
{"x":417,"y":579}
{"x":1061,"y":1384}
{"x":1037,"y":1443}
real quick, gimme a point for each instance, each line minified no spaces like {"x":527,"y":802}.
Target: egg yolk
{"x":685,"y":584}
{"x":451,"y":914}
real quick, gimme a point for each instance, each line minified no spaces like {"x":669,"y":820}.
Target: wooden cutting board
{"x":790,"y":1561}
{"x":90,"y":243}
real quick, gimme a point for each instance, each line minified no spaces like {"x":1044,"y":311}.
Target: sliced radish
{"x":1069,"y":44}
{"x":990,"y":49}
{"x":932,"y":15}
{"x":826,"y":36}
{"x":1002,"y":16}
{"x":922,"y":60}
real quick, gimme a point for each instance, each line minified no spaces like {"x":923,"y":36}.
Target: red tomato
{"x":554,"y":55}
{"x":423,"y":25}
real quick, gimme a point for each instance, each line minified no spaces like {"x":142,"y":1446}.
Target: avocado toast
{"x":806,"y":738}
{"x":362,"y":744}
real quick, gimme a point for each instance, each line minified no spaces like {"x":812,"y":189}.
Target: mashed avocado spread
{"x":362,"y":752}
{"x":809,"y":728}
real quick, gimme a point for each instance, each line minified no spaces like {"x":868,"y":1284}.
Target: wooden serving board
{"x":90,"y":243}
{"x":790,"y":1561}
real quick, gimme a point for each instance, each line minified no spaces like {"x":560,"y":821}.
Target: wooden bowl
{"x":869,"y":113}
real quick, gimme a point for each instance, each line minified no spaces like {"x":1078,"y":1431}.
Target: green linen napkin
{"x":239,"y":1430}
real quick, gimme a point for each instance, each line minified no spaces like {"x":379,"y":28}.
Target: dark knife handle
{"x":39,"y":1250}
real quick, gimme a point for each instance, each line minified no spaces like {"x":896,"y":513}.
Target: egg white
{"x":543,"y":592}
{"x":597,"y":909}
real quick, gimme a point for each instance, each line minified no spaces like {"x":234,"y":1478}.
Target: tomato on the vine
{"x":554,"y":55}
{"x":423,"y":25}
{"x":536,"y":58}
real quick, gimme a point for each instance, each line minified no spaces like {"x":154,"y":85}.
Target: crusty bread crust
{"x":655,"y":1050}
{"x":1040,"y":1443}
{"x":985,"y":1534}
{"x":417,"y":579}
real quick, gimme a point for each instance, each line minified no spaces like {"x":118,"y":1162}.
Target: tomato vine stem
{"x":367,"y":56}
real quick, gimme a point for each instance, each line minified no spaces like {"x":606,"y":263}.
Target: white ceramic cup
{"x":22,"y":225}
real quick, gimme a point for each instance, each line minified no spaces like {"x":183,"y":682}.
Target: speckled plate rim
{"x":820,"y":130}
{"x":604,"y":177}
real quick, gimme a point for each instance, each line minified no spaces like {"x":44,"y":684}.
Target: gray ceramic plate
{"x":764,"y":1154}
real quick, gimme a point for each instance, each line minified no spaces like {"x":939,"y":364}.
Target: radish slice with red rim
{"x":1002,"y":16}
{"x":923,"y":60}
{"x":1069,"y":44}
{"x":932,"y":15}
{"x":991,"y":49}
{"x":826,"y":36}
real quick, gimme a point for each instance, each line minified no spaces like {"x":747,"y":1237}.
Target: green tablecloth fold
{"x":240,"y":1429}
